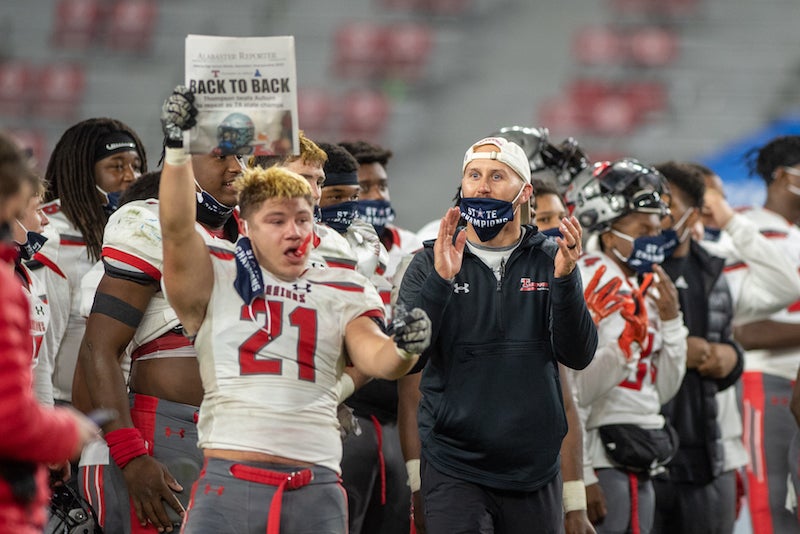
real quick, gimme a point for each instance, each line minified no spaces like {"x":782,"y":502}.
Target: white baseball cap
{"x":510,"y":153}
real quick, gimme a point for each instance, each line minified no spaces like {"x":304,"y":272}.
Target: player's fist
{"x":412,"y":330}
{"x":177,"y":114}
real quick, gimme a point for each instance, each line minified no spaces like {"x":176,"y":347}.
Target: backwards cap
{"x":510,"y":153}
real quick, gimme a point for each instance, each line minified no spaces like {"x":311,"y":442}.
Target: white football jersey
{"x":40,"y":310}
{"x":786,"y":237}
{"x":269,"y":368}
{"x":331,"y":249}
{"x":619,"y":391}
{"x":404,"y":243}
{"x":365,"y":244}
{"x":66,"y":249}
{"x":132,"y":244}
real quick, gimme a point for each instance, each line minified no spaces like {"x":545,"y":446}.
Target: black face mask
{"x":33,"y":243}
{"x":210,"y":212}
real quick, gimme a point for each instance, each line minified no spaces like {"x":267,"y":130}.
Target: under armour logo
{"x":169,"y":432}
{"x":307,"y":287}
{"x":464,"y":288}
{"x":209,"y":488}
{"x":39,"y":309}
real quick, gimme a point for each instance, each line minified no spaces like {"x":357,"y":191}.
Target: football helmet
{"x":71,"y":514}
{"x":614,"y":189}
{"x":234,"y":135}
{"x":565,"y":161}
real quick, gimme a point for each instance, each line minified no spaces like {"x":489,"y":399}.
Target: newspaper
{"x":245,"y":91}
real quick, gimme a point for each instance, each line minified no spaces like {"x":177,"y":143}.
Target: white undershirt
{"x":494,"y":257}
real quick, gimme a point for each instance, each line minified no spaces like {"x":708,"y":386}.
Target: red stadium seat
{"x":646,"y":96}
{"x":364,"y":115}
{"x":131,"y":24}
{"x":360,"y":50}
{"x":598,"y":45}
{"x":408,"y":49}
{"x":76,"y":23}
{"x":653,"y":47}
{"x":17,"y":81}
{"x":614,"y":115}
{"x":60,"y":90}
{"x":315,"y":109}
{"x":561,"y":116}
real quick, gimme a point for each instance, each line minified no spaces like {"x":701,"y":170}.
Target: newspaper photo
{"x":245,"y":91}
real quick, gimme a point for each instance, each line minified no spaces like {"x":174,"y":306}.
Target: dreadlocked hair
{"x":70,"y":175}
{"x":366,"y":153}
{"x":782,"y":151}
{"x":258,"y":185}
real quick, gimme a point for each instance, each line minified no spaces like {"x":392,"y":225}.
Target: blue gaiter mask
{"x":378,"y":213}
{"x":210,"y":211}
{"x":340,"y":216}
{"x":646,"y":252}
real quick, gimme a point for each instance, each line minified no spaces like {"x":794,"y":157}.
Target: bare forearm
{"x":108,"y":383}
{"x":408,"y":401}
{"x":767,"y":335}
{"x":572,"y":446}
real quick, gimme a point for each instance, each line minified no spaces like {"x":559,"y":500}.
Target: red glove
{"x":634,"y":311}
{"x":606,"y":300}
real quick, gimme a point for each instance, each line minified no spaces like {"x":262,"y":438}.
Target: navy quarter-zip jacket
{"x":491,"y":411}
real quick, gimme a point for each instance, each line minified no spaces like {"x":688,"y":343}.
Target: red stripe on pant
{"x":194,"y":491}
{"x":634,"y":481}
{"x":753,"y":397}
{"x":381,"y":459}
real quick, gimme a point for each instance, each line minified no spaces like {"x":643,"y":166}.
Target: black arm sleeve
{"x":574,"y":332}
{"x":736,"y":373}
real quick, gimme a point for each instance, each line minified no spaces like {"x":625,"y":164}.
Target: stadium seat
{"x":408,"y":49}
{"x":17,"y":80}
{"x":598,"y":45}
{"x":76,"y":23}
{"x":360,"y":50}
{"x":364,"y":115}
{"x":60,"y":91}
{"x":130,"y":25}
{"x":651,"y":46}
{"x":315,"y":109}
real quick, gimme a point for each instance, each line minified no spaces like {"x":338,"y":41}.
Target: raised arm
{"x":768,"y":280}
{"x":188,"y":274}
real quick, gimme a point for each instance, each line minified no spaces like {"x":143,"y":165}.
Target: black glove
{"x":177,"y":114}
{"x":412,"y":330}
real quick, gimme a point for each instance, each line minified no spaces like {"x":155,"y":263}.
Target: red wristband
{"x":125,"y":444}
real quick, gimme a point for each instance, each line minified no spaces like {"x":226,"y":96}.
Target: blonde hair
{"x":258,"y":185}
{"x":310,"y":154}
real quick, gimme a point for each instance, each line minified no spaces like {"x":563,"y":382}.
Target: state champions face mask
{"x":378,"y":213}
{"x":340,"y":216}
{"x":647,"y":251}
{"x":488,"y":216}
